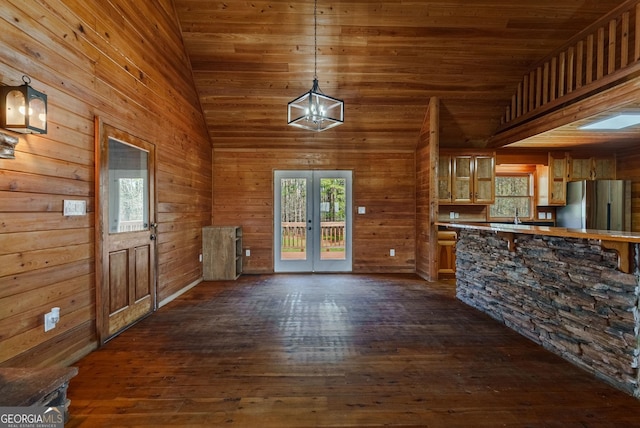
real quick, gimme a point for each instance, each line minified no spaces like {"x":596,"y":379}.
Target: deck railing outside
{"x":294,"y":235}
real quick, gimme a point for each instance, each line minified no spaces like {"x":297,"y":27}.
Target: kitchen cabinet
{"x":484,"y":179}
{"x":592,"y":168}
{"x":446,"y":254}
{"x":466,"y":178}
{"x":557,"y":180}
{"x":221,"y":252}
{"x":604,"y":168}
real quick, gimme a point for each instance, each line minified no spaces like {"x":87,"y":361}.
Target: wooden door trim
{"x":102,"y":131}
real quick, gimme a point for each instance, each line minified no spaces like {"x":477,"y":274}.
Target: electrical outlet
{"x":247,"y":252}
{"x":392,"y":252}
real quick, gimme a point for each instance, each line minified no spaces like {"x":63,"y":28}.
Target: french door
{"x":312,"y":221}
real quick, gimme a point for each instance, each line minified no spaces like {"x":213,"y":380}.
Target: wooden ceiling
{"x":385,"y":59}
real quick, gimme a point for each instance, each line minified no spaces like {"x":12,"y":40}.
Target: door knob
{"x":153,"y":237}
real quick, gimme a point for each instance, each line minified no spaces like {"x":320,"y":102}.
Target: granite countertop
{"x":605,"y":235}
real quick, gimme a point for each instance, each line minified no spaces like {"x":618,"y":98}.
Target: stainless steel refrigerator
{"x":596,"y":204}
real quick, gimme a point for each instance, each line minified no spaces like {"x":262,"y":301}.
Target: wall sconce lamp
{"x":24,"y":109}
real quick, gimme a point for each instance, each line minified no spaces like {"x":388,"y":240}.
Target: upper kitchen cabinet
{"x":484,"y":179}
{"x":592,"y":168}
{"x":557,"y":178}
{"x":552,"y":181}
{"x":466,"y":178}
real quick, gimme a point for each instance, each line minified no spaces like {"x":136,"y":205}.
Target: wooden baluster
{"x":612,"y":47}
{"x":579,"y":63}
{"x":636,"y":53}
{"x":554,"y":78}
{"x":519,"y":100}
{"x":589,"y":56}
{"x":562,"y":73}
{"x":538,"y":87}
{"x":624,"y":41}
{"x":545,"y":84}
{"x":600,"y":54}
{"x":532,"y":90}
{"x":570,"y":69}
{"x":525,"y":94}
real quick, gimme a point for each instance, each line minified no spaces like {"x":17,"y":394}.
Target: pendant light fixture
{"x":314,"y":110}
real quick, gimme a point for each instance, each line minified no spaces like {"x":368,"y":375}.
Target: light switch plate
{"x":362,"y":210}
{"x":74,"y":207}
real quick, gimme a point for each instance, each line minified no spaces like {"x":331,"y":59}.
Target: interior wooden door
{"x":126,"y":229}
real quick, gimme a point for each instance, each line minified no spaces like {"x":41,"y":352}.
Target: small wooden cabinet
{"x":466,"y":178}
{"x":221,"y":252}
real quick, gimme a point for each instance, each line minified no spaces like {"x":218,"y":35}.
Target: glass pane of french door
{"x":312,"y":212}
{"x":293,"y":216}
{"x":333,"y":218}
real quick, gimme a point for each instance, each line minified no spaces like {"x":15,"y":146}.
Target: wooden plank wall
{"x":383,"y":182}
{"x":426,"y":196}
{"x":92,"y":59}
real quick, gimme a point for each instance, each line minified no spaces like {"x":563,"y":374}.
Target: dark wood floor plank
{"x":333,"y":350}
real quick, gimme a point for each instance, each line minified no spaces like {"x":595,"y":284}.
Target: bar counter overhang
{"x":574,"y":291}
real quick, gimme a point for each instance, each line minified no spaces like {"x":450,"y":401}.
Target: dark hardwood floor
{"x":333,"y":351}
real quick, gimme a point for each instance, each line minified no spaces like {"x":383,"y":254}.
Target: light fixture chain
{"x":314,"y":110}
{"x":315,"y":40}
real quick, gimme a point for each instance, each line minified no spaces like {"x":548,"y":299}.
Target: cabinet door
{"x":580,"y":169}
{"x":484,"y":180}
{"x":604,"y":168}
{"x":444,"y":178}
{"x":461,"y":182}
{"x":557,"y":179}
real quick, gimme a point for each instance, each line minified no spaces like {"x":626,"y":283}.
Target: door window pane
{"x":293,"y":218}
{"x":332,"y":218}
{"x":128,"y":188}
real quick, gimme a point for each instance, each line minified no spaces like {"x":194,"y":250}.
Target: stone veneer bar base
{"x":565,"y":294}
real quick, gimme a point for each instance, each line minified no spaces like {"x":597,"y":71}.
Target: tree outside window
{"x":514,"y":196}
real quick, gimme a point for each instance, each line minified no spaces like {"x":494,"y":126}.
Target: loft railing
{"x":601,"y":55}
